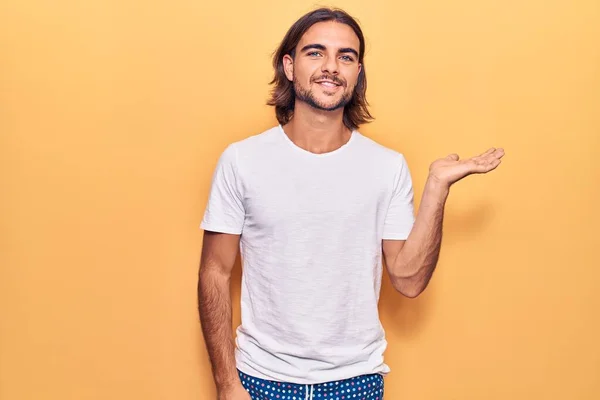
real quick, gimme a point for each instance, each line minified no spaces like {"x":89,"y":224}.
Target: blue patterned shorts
{"x":363,"y":387}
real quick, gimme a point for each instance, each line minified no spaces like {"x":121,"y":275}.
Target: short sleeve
{"x":400,"y":216}
{"x":225,"y":208}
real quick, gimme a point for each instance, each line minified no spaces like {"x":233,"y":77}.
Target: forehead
{"x":330,"y":34}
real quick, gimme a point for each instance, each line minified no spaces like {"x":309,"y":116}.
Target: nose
{"x":330,"y":65}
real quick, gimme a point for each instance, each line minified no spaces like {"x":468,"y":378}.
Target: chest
{"x":334,"y":195}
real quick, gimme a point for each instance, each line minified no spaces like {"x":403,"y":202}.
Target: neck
{"x":317,"y":131}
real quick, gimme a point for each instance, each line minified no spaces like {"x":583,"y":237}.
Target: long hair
{"x":282,"y":95}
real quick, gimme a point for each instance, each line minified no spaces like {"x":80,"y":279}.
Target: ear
{"x":288,"y":67}
{"x":359,"y":67}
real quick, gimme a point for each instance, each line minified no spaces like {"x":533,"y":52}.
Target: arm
{"x":411,"y":263}
{"x":219,"y":251}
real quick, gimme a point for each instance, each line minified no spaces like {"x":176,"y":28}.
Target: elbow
{"x":413,"y":281}
{"x":409,"y":287}
{"x":411,"y":293}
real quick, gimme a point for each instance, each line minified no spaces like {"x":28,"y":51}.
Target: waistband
{"x":368,"y":387}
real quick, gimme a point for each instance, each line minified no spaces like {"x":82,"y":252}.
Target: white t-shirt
{"x":311,"y":228}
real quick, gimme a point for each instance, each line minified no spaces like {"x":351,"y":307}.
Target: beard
{"x":307,"y":96}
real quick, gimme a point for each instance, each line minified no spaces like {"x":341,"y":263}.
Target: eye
{"x":347,"y":58}
{"x":313,"y":53}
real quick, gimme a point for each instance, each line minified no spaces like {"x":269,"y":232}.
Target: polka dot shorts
{"x":363,"y":387}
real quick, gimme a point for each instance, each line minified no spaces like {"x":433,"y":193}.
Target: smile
{"x":328,"y":84}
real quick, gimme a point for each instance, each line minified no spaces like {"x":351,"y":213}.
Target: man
{"x":315,"y":207}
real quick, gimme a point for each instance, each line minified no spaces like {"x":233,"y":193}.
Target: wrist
{"x":435,"y":186}
{"x":227,"y":391}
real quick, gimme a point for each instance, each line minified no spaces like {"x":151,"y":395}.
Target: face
{"x":325,"y":68}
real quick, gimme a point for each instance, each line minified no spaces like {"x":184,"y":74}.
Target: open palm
{"x":451,"y":169}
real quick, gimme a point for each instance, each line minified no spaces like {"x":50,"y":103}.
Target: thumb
{"x":453,"y":156}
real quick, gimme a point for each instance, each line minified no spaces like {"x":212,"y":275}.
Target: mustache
{"x":332,"y":78}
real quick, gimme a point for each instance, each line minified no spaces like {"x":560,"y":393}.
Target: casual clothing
{"x":311,"y":228}
{"x":364,"y":387}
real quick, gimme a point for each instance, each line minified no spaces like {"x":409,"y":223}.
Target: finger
{"x":485,"y":154}
{"x":495,"y":155}
{"x":488,"y":152}
{"x":453,"y":156}
{"x":485,"y":165}
{"x":491,"y":154}
{"x":494,"y":164}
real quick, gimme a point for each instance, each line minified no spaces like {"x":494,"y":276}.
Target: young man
{"x":315,"y":207}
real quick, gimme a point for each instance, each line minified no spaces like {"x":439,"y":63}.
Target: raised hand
{"x":451,"y":169}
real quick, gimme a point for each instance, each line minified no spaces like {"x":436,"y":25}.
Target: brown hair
{"x":282,"y":95}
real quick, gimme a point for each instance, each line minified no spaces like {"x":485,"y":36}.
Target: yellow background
{"x":113,"y":114}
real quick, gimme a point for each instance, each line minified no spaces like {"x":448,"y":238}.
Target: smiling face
{"x":325,"y":66}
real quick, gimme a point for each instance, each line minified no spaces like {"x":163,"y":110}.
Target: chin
{"x":330,"y":100}
{"x":331,"y":107}
{"x":331,"y":104}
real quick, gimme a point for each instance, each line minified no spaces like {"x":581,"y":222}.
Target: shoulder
{"x":380,"y":153}
{"x":254,"y":143}
{"x":248,"y":148}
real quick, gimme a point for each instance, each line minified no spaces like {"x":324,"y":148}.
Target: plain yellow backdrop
{"x":112,"y":117}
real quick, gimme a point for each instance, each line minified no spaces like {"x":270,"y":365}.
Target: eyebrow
{"x":321,"y":47}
